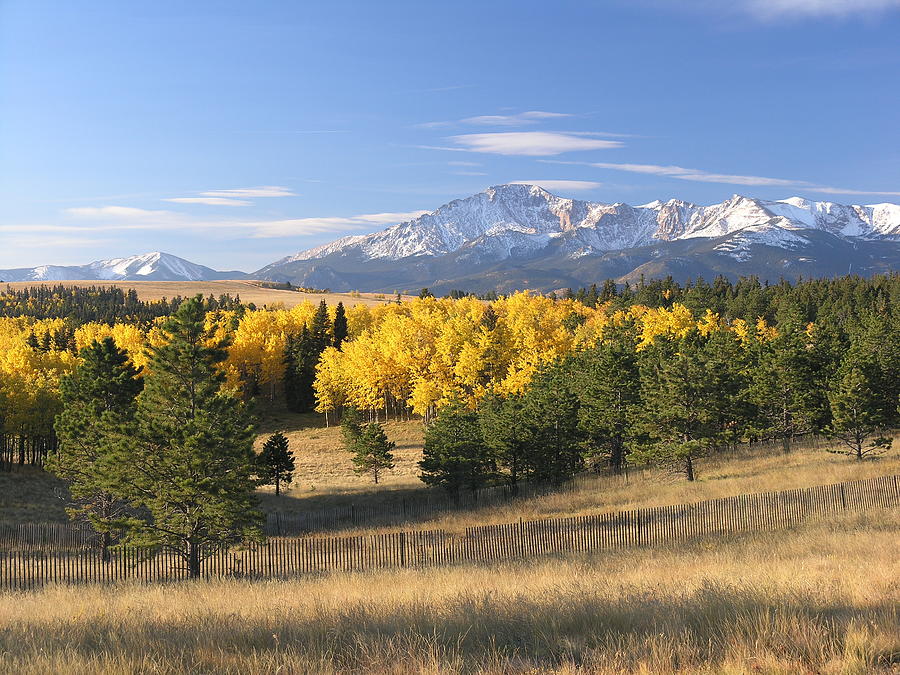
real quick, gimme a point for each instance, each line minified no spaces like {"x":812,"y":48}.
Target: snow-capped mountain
{"x":154,"y":266}
{"x":517,"y":226}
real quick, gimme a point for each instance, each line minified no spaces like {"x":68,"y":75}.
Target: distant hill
{"x":154,"y":266}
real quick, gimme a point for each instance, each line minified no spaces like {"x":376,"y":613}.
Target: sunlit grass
{"x":822,"y":598}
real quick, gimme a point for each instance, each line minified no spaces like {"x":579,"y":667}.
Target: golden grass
{"x":818,"y":599}
{"x":759,"y":470}
{"x":723,"y":476}
{"x":249,"y":290}
{"x":324,"y":478}
{"x":323,"y":466}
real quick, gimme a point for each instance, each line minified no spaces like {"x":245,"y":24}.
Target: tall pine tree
{"x":190,"y":470}
{"x":98,"y":401}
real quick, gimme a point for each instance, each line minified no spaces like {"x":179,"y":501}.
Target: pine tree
{"x":339,"y":328}
{"x":506,"y":435}
{"x":679,"y":404}
{"x":786,"y":386}
{"x":351,"y":429}
{"x":320,"y":332}
{"x":554,"y":441}
{"x":98,"y":410}
{"x":609,"y":389}
{"x":455,"y":456}
{"x":372,"y":451}
{"x":190,"y":469}
{"x":302,"y":353}
{"x":276,"y":461}
{"x":856,"y":408}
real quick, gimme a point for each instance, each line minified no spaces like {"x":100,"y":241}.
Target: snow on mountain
{"x":518,"y":220}
{"x":155,"y":266}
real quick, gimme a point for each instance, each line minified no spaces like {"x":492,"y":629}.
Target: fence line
{"x":424,"y":504}
{"x":637,"y":527}
{"x":53,"y":536}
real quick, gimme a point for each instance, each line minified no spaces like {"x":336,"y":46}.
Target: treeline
{"x":678,"y":399}
{"x":83,"y":304}
{"x":749,"y":298}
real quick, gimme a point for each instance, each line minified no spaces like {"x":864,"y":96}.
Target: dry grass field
{"x":823,"y":598}
{"x":324,"y":478}
{"x":250,"y":291}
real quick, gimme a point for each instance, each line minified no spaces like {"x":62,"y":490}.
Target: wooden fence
{"x":637,"y":527}
{"x":425,"y":503}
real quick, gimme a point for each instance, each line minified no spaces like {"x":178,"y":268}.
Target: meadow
{"x":249,"y":290}
{"x":822,"y":598}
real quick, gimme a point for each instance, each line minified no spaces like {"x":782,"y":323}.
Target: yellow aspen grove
{"x":126,"y":336}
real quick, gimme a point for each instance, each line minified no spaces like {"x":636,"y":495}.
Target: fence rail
{"x":637,"y":527}
{"x":424,"y":504}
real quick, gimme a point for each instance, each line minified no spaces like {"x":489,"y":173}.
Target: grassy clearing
{"x":250,"y":291}
{"x":325,"y":478}
{"x":819,"y":599}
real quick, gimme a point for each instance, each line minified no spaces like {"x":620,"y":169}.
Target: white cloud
{"x":118,"y":213}
{"x":261,"y":191}
{"x":770,"y":9}
{"x":848,"y":191}
{"x":697,"y":175}
{"x":571,"y":185}
{"x":528,"y":117}
{"x":464,"y":163}
{"x":210,"y":201}
{"x":514,"y":120}
{"x":533,"y":143}
{"x":694,"y":174}
{"x":123,"y":218}
{"x":302,"y":226}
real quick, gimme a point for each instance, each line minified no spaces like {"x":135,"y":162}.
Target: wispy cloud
{"x":520,"y":119}
{"x":771,"y":9}
{"x":511,"y":120}
{"x":532,"y":143}
{"x":469,"y":173}
{"x":261,"y":191}
{"x":700,"y":176}
{"x":210,"y":201}
{"x":694,"y":174}
{"x":464,"y":163}
{"x":118,"y":213}
{"x":303,"y":226}
{"x":123,"y":218}
{"x":234,"y":197}
{"x":571,"y":185}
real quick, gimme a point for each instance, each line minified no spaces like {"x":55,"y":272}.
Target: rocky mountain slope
{"x":514,"y":236}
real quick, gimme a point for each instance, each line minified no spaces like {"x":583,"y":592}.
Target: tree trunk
{"x":193,"y":560}
{"x":617,"y":457}
{"x":689,"y":467}
{"x":277,"y":486}
{"x":105,"y":541}
{"x":786,"y":444}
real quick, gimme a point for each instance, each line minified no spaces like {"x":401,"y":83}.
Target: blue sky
{"x":234,"y":133}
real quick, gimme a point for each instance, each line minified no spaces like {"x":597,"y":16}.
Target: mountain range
{"x":521,"y":236}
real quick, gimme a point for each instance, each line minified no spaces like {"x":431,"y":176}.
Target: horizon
{"x":238,"y":135}
{"x":491,"y":187}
